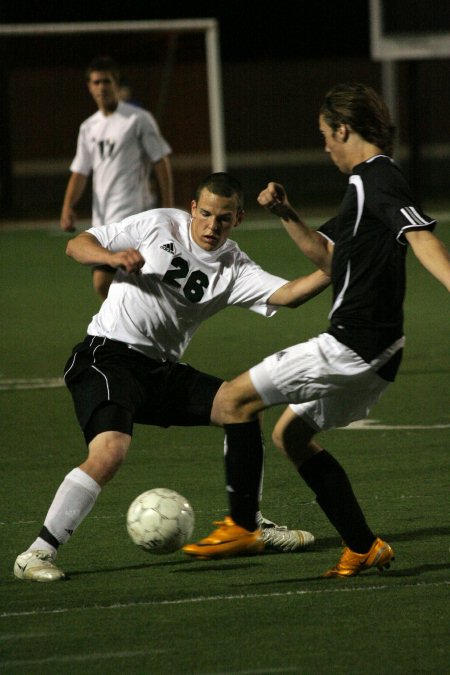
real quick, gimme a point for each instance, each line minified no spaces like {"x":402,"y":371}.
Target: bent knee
{"x":107,"y":452}
{"x":227,"y":399}
{"x":292,"y":436}
{"x":236,"y":401}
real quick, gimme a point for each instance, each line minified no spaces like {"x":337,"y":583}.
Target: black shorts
{"x":113,"y":387}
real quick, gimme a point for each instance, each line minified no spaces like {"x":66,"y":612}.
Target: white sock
{"x":73,"y":501}
{"x":42,"y":545}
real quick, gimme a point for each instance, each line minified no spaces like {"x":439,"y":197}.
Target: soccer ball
{"x":160,"y":520}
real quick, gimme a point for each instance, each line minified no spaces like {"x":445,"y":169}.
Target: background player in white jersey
{"x":174,"y":269}
{"x":337,"y":377}
{"x":122,"y":146}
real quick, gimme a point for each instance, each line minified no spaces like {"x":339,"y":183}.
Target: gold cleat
{"x":226,"y":541}
{"x":350,"y":564}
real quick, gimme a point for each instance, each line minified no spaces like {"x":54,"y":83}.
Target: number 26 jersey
{"x":180,"y":285}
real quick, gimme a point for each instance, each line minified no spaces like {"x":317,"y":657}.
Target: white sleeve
{"x":254,"y":286}
{"x":155,"y":146}
{"x":82,"y":162}
{"x":128,"y":233}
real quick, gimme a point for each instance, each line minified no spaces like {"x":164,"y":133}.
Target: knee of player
{"x":107,"y":452}
{"x":229,"y":406}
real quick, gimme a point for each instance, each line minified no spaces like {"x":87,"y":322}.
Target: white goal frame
{"x":403,"y":46}
{"x":208,"y":26}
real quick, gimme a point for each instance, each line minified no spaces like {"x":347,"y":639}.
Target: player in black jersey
{"x":335,"y":378}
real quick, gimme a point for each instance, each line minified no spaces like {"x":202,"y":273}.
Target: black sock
{"x":334,"y":493}
{"x":47,"y":536}
{"x":244,"y":458}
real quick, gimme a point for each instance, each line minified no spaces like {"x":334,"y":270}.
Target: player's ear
{"x":240,"y":217}
{"x":193,"y":206}
{"x":343,"y":132}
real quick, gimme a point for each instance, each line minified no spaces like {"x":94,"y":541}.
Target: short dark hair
{"x":223,"y":184}
{"x":363,"y":109}
{"x":103,"y":64}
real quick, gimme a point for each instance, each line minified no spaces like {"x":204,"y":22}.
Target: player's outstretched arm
{"x":432,"y":253}
{"x":87,"y":250}
{"x":298,"y":291}
{"x":311,"y":244}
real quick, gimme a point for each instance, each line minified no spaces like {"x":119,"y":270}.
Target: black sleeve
{"x":389,"y":199}
{"x":328,"y":229}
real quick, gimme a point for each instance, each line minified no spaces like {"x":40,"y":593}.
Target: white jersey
{"x":180,"y":285}
{"x":119,"y":149}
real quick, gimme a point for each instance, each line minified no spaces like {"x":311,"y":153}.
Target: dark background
{"x":278,"y":61}
{"x":248,"y":29}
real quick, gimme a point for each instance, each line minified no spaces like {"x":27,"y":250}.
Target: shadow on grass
{"x":325,"y":543}
{"x":202,"y":566}
{"x":420,"y":569}
{"x":371,"y":575}
{"x":421,"y":533}
{"x":192,"y":565}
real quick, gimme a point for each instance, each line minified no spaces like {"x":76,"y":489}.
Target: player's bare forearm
{"x":298,"y":291}
{"x":432,"y":254}
{"x":87,"y":250}
{"x":311,"y":244}
{"x":75,"y":188}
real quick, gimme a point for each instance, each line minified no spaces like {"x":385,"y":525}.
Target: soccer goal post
{"x":170,"y":42}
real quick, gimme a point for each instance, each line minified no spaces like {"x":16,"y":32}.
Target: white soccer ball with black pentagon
{"x":160,"y":520}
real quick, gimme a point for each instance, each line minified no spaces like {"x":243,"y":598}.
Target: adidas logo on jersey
{"x":170,"y":248}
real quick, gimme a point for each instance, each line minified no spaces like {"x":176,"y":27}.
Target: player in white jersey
{"x":179,"y":286}
{"x":174,"y":269}
{"x":121,"y":146}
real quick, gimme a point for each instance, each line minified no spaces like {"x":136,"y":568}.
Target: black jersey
{"x":368,"y":268}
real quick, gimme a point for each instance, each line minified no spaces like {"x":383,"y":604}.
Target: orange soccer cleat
{"x":350,"y":564}
{"x":227,"y":540}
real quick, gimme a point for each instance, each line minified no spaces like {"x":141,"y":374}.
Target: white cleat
{"x":37,"y":566}
{"x":279,"y":538}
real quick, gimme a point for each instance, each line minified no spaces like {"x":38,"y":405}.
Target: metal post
{"x":216,"y":121}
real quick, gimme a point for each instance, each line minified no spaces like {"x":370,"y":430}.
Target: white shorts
{"x":326,"y":383}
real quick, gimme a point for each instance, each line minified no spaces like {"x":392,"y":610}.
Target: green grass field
{"x":122,"y":610}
